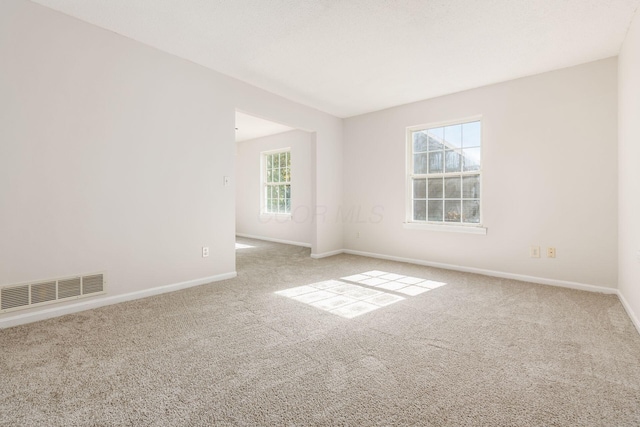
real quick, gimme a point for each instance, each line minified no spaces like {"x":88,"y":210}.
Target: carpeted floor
{"x":477,"y":351}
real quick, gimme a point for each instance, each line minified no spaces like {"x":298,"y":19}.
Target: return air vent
{"x":43,"y":292}
{"x":17,"y":297}
{"x":14,"y":297}
{"x":92,"y":284}
{"x":69,"y":288}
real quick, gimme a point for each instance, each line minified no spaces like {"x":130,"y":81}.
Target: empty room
{"x":319,"y":212}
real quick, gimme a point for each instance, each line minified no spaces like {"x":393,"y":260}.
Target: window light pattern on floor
{"x":394,"y":282}
{"x":349,"y":300}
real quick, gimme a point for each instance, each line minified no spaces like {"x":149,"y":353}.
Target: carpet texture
{"x":478,"y":351}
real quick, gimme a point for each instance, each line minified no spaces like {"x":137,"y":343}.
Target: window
{"x":277,"y":182}
{"x":445,"y":173}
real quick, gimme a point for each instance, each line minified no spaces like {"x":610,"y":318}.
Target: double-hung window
{"x":445,"y":173}
{"x":277,"y":182}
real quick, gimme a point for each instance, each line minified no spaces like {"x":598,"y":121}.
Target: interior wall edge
{"x":270,"y":239}
{"x":327,"y":254}
{"x":629,"y":310}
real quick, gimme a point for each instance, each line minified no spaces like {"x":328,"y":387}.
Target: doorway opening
{"x":274,"y":183}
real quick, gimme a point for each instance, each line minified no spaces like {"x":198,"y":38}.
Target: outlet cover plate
{"x":534,"y":252}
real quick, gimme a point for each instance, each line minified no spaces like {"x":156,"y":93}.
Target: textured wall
{"x":629,"y":172}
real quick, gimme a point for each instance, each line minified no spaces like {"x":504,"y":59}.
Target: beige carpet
{"x":477,"y":351}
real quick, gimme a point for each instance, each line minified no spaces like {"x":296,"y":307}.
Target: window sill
{"x":279,"y":216}
{"x":470,"y":229}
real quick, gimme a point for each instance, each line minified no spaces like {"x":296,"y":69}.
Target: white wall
{"x":629,"y":171}
{"x":112,"y":155}
{"x":549,"y":179}
{"x":297,"y":228}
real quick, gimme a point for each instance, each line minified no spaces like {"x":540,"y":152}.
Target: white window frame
{"x":264,"y":184}
{"x":460,"y":227}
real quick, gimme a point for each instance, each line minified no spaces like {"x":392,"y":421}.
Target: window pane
{"x":471,"y":187}
{"x":435,"y":210}
{"x":435,"y":144}
{"x":419,"y":188}
{"x":471,"y":159}
{"x":452,"y":210}
{"x":284,"y":175}
{"x":471,"y":134}
{"x":435,"y":188}
{"x":282,"y":192}
{"x":453,"y":136}
{"x":288,"y":159}
{"x":452,"y":161}
{"x":276,"y":175}
{"x":281,"y":206}
{"x":288,"y":205}
{"x":283,"y":160}
{"x":452,"y":188}
{"x":436,"y":162}
{"x":269,"y":205}
{"x":274,"y":191}
{"x":269,"y":177}
{"x":419,"y":210}
{"x":436,"y":136}
{"x":471,"y":211}
{"x":269,"y":161}
{"x":420,"y":163}
{"x":287,"y":193}
{"x":419,"y":142}
{"x":276,"y":160}
{"x":268,"y":192}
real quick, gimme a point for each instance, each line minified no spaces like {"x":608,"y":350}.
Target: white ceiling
{"x":348,"y":57}
{"x":250,"y":127}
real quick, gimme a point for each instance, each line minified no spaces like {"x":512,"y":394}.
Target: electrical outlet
{"x":551,"y":252}
{"x":534,"y":252}
{"x":205,"y":251}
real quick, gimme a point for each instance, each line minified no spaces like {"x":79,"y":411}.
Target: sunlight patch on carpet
{"x":350,"y":300}
{"x":340,"y":298}
{"x":407,"y":285}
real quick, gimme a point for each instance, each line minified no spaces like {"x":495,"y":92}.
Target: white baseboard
{"x":270,"y":239}
{"x":501,"y":274}
{"x":327,"y":254}
{"x":632,"y":315}
{"x":51,"y":311}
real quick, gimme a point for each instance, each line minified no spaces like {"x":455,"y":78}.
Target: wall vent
{"x":19,"y":297}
